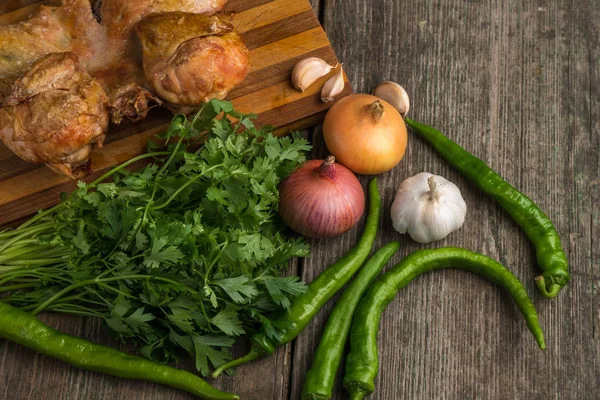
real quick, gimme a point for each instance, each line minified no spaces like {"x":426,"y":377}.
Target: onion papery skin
{"x":366,"y":142}
{"x":321,"y":199}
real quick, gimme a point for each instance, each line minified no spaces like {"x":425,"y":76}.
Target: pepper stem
{"x":376,"y":110}
{"x":252,"y":355}
{"x":547,"y":291}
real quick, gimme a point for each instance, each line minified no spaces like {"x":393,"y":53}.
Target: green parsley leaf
{"x":206,"y":347}
{"x":240,"y":289}
{"x":282,"y":288}
{"x":228,"y":322}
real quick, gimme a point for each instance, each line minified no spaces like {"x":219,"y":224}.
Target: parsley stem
{"x":17,"y":287}
{"x":66,"y":300}
{"x":104,"y":285}
{"x":77,"y":285}
{"x":9,"y":268}
{"x":185,"y":185}
{"x":37,"y":262}
{"x":27,"y":233}
{"x":127,"y":163}
{"x":80,"y":313}
{"x":179,"y":142}
{"x":146,"y":209}
{"x":23,"y":243}
{"x":171,"y":158}
{"x":46,"y":273}
{"x":206,"y":317}
{"x":39,"y":216}
{"x":166,"y":203}
{"x":19,"y":251}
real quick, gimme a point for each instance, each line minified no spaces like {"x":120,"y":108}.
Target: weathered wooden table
{"x":515,"y":82}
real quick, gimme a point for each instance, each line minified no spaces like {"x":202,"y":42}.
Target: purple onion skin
{"x":321,"y":199}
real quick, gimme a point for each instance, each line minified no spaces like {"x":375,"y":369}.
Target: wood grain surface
{"x":518,"y":84}
{"x":278,"y":33}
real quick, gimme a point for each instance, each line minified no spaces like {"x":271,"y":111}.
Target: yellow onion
{"x":321,"y":199}
{"x":365,"y":133}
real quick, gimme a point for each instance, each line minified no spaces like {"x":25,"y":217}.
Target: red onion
{"x":321,"y":199}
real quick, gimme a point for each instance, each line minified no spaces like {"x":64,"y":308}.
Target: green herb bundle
{"x":185,"y":253}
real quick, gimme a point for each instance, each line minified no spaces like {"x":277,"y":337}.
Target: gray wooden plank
{"x":517,"y":84}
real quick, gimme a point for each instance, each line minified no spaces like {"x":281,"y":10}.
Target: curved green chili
{"x":305,"y":306}
{"x":537,"y":226}
{"x":362,"y":363}
{"x":318,"y":384}
{"x":25,"y":329}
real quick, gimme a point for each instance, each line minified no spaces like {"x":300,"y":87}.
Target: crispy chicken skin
{"x":191,"y":58}
{"x":25,"y":42}
{"x":64,"y":74}
{"x":121,"y":16}
{"x":55,"y":114}
{"x":50,"y":29}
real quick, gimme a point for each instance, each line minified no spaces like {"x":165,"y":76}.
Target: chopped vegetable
{"x":185,"y":253}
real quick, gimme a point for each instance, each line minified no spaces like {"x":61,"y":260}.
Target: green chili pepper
{"x":25,"y":329}
{"x":537,"y":226}
{"x":320,"y":378}
{"x":362,"y":364}
{"x":305,"y":306}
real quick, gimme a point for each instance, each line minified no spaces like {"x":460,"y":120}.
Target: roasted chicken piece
{"x":121,"y":16}
{"x":55,"y":114}
{"x":122,"y":75}
{"x":24,"y":43}
{"x":192,"y":58}
{"x":62,"y":72}
{"x":50,"y":29}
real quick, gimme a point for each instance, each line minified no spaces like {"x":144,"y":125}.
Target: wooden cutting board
{"x":279,"y":33}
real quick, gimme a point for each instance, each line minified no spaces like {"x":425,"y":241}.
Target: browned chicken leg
{"x":55,"y":114}
{"x":192,"y":58}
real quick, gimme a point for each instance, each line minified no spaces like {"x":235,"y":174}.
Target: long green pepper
{"x":362,"y":362}
{"x":318,"y":384}
{"x":537,"y":226}
{"x":25,"y":329}
{"x":328,"y":283}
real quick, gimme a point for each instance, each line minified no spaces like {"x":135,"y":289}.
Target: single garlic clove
{"x":393,"y":94}
{"x":333,"y":87}
{"x":308,"y":71}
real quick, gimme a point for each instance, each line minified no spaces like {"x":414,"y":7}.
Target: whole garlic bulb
{"x":428,"y":207}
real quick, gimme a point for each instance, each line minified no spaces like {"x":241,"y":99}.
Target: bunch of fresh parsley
{"x":185,"y":253}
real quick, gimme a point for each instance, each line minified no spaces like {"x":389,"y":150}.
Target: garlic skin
{"x":394,"y":94}
{"x":308,"y":71}
{"x":333,"y":87}
{"x":428,"y":207}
